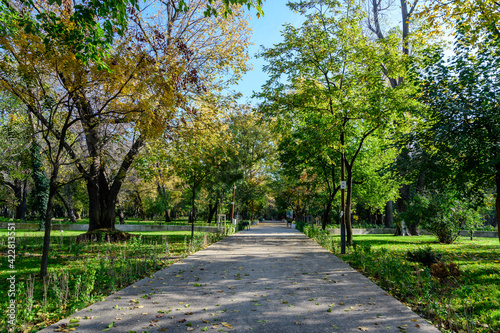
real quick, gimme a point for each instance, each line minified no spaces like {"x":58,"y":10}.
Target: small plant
{"x":425,"y":256}
{"x":445,"y":271}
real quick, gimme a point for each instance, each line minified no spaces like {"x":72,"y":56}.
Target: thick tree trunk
{"x":94,"y":205}
{"x":389,"y":214}
{"x":121,"y":216}
{"x":404,"y":198}
{"x":168,"y":218}
{"x":413,"y":229}
{"x":18,"y":193}
{"x":102,"y":194}
{"x":101,"y":207}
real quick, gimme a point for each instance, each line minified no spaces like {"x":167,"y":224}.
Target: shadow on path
{"x":266,"y":279}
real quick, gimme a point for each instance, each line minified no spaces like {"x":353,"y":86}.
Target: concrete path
{"x":267,"y":279}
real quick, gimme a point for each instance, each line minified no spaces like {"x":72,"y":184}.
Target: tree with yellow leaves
{"x":156,"y":69}
{"x":474,"y":16}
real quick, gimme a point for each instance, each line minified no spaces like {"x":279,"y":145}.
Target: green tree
{"x":333,"y":70}
{"x":156,"y":71}
{"x":41,"y":183}
{"x":443,"y":214}
{"x":462,"y":95}
{"x":15,"y":159}
{"x":89,"y":28}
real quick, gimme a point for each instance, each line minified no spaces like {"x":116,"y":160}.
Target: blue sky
{"x":266,"y":32}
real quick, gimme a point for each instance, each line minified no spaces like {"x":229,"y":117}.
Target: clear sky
{"x":266,"y":32}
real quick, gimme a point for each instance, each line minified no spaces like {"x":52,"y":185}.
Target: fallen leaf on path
{"x":362,"y":328}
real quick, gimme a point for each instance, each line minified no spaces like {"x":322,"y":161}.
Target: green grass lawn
{"x":178,"y":221}
{"x":82,"y":273}
{"x":469,"y":302}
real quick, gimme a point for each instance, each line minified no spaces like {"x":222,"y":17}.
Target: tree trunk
{"x":48,"y":219}
{"x":212,"y":210}
{"x":23,"y":203}
{"x":121,"y":216}
{"x":167,"y":216}
{"x":41,"y":182}
{"x":413,"y":229}
{"x":348,"y":224}
{"x":101,"y":207}
{"x":192,"y":214}
{"x":389,"y":214}
{"x":19,"y":188}
{"x":325,"y":217}
{"x":404,"y":198}
{"x":102,"y":193}
{"x":67,"y":206}
{"x":46,"y":236}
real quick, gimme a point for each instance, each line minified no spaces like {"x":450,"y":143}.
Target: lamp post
{"x":342,"y":206}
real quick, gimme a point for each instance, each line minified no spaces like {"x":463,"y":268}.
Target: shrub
{"x":443,"y":214}
{"x":444,"y":271}
{"x":424,"y":256}
{"x":300,"y":224}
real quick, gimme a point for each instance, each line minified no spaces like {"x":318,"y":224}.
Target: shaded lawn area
{"x":469,"y":302}
{"x":83,"y":273}
{"x":178,"y":221}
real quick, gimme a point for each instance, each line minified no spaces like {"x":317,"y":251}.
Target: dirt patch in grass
{"x":106,"y":235}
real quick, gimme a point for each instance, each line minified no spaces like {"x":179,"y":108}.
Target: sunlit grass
{"x":82,"y":273}
{"x":467,"y":303}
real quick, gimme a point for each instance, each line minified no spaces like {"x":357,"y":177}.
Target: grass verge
{"x":469,"y":302}
{"x":82,"y":273}
{"x":85,"y":220}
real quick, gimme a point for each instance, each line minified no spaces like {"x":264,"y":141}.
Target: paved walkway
{"x":267,"y":279}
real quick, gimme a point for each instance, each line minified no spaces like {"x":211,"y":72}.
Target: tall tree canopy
{"x":462,"y":95}
{"x":163,"y":61}
{"x":329,"y":75}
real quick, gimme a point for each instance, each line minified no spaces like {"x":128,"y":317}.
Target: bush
{"x":444,"y":271}
{"x":300,"y":224}
{"x":443,"y":214}
{"x":424,"y":256}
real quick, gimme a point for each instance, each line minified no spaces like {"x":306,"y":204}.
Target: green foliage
{"x":300,"y":225}
{"x":325,"y":97}
{"x":462,"y":96}
{"x":321,"y":236}
{"x":424,"y":256}
{"x":468,"y":301}
{"x":443,"y":214}
{"x":88,"y":29}
{"x":82,"y":273}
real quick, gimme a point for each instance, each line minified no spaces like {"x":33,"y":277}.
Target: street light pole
{"x":342,"y":204}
